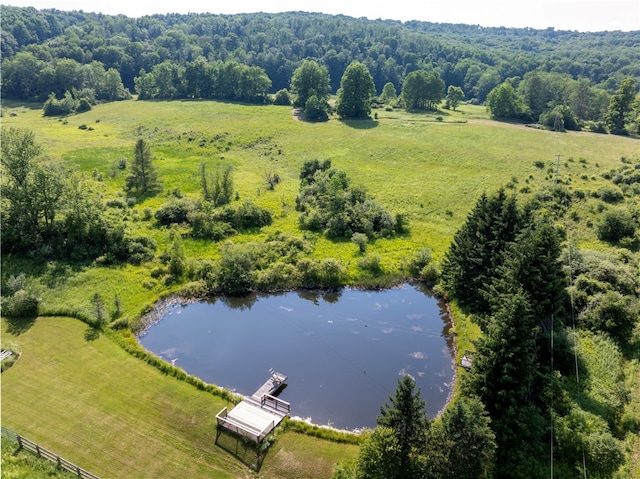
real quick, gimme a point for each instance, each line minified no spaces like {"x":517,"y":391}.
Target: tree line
{"x":472,"y":58}
{"x":562,"y":79}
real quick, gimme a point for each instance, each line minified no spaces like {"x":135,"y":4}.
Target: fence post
{"x":38,"y":449}
{"x":78,"y":471}
{"x":19,"y":440}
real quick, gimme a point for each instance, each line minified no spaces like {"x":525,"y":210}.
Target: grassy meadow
{"x":430,"y":167}
{"x":119,"y":417}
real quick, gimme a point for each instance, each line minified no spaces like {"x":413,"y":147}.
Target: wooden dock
{"x":256,"y":416}
{"x":272,"y":386}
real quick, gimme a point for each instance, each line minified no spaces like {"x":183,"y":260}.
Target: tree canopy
{"x":355,"y":93}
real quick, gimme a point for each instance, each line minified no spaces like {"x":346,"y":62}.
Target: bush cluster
{"x":77,"y":102}
{"x":212,"y":223}
{"x":281,"y":262}
{"x":328,"y":203}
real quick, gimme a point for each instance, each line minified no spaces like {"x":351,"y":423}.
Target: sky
{"x":580,"y":15}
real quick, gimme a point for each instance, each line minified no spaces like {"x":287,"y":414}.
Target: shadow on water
{"x":314,"y":295}
{"x":18,"y":326}
{"x":239,"y":302}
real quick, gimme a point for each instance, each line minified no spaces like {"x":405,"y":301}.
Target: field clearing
{"x":430,"y":167}
{"x":119,"y":417}
{"x":432,"y":171}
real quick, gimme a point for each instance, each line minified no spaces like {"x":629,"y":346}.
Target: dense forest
{"x":95,"y":57}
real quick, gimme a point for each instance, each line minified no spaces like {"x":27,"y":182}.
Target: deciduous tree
{"x":422,"y":90}
{"x":310,"y":79}
{"x":454,"y":96}
{"x":356,"y":91}
{"x":620,"y":107}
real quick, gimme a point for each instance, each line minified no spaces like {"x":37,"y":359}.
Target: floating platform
{"x":256,"y":416}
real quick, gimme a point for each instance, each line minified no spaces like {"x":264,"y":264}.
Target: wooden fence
{"x":25,"y":443}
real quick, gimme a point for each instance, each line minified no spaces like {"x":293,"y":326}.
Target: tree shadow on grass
{"x":244,"y":450}
{"x":91,"y":334}
{"x":362,"y":124}
{"x":18,"y":326}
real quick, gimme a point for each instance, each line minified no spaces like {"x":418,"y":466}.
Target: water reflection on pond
{"x":343,"y":352}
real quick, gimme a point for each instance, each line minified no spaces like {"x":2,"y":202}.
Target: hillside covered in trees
{"x":48,"y":47}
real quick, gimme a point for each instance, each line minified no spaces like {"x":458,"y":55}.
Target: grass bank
{"x":89,"y":401}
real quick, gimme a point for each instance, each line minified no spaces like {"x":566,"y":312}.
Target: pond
{"x":343,"y":352}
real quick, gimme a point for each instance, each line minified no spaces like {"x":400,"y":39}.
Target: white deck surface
{"x":254,"y":417}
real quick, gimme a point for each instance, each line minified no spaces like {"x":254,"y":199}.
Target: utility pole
{"x":555,"y":182}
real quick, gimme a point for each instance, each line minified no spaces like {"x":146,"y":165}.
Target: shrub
{"x":316,"y":109}
{"x":175,"y":211}
{"x":361,"y":240}
{"x":371,"y":263}
{"x":250,"y":215}
{"x":282,"y":97}
{"x":116,"y":203}
{"x":278,"y":275}
{"x":612,"y":313}
{"x":139,"y":250}
{"x":617,"y":224}
{"x":610,"y":194}
{"x":236,"y":270}
{"x":21,"y":304}
{"x":422,"y":258}
{"x":331,"y":273}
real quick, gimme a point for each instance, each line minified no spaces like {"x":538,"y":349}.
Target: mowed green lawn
{"x":97,"y":406}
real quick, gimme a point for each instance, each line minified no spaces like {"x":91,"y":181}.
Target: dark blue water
{"x":343,"y":352}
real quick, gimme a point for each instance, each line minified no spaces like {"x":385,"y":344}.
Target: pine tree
{"x":461,"y":444}
{"x":406,"y":415}
{"x":505,"y":367}
{"x":144,"y":176}
{"x":477,"y":250}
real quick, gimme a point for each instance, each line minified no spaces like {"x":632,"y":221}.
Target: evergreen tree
{"x":356,"y":91}
{"x":476,"y":252}
{"x":144,"y":176}
{"x":532,"y":261}
{"x":461,"y":444}
{"x":505,"y":366}
{"x":406,"y":415}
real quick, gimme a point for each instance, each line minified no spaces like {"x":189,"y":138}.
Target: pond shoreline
{"x":319,"y":300}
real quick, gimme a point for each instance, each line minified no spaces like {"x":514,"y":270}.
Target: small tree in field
{"x":454,"y":97}
{"x":144,"y":176}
